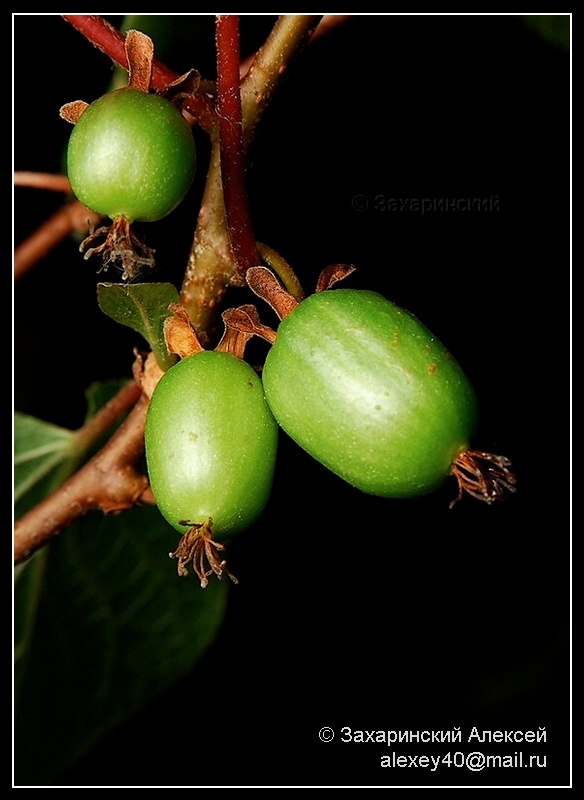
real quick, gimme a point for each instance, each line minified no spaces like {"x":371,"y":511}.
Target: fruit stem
{"x":483,"y":475}
{"x":282,"y":269}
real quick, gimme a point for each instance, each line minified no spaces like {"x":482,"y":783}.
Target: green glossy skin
{"x":131,"y":155}
{"x":211,"y":443}
{"x":369,"y":392}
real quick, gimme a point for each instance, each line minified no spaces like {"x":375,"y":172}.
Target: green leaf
{"x":103,"y":624}
{"x":142,"y":307}
{"x":41,"y":451}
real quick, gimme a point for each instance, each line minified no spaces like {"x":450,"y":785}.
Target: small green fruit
{"x":131,"y":154}
{"x":211,"y":444}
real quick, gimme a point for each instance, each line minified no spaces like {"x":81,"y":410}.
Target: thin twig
{"x":288,"y":37}
{"x":105,"y":417}
{"x":42,"y":180}
{"x":73,"y":216}
{"x":328,"y":23}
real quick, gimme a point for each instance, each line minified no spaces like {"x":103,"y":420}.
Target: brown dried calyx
{"x":266,"y":286}
{"x":240,"y":324}
{"x":484,"y":476}
{"x":198,"y":548}
{"x":120,"y":244}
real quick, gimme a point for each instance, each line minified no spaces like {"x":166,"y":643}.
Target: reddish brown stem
{"x":42,"y":180}
{"x":107,"y":415}
{"x":237,"y":212}
{"x":111,"y":42}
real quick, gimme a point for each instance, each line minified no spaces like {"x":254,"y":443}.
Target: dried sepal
{"x":181,"y":89}
{"x":240,"y":325}
{"x":179,"y":335}
{"x":140,"y":53}
{"x":146,"y":371}
{"x":332,"y":274}
{"x":71,"y":112}
{"x":266,"y":286}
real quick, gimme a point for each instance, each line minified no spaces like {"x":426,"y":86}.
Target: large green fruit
{"x":367,"y":390}
{"x":132,"y":155}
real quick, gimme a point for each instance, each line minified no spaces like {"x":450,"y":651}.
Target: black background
{"x":353,"y":610}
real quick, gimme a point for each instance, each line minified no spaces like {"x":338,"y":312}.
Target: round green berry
{"x":131,"y":154}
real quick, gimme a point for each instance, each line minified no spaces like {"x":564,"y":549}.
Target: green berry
{"x":131,"y":154}
{"x":211,"y":444}
{"x":369,"y":392}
